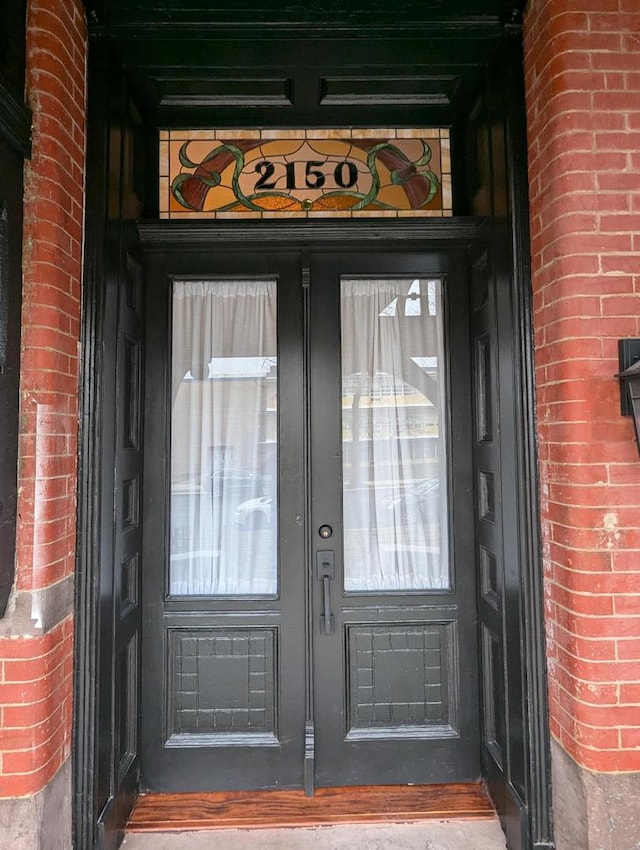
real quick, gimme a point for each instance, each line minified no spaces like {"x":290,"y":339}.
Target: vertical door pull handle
{"x":325,"y":572}
{"x":327,"y":616}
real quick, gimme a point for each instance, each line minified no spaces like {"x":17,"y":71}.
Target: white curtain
{"x":394,"y":460}
{"x":223,"y":438}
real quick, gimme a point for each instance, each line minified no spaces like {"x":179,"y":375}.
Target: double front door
{"x":308,"y":580}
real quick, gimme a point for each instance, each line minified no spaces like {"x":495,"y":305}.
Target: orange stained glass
{"x":307,"y":174}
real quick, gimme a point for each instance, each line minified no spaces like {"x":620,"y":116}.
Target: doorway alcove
{"x":167,"y":65}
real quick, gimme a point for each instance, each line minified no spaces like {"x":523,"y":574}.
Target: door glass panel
{"x":223,"y":523}
{"x":393,"y":435}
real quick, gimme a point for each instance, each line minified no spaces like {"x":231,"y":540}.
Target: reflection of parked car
{"x":419,"y":503}
{"x":239,"y":484}
{"x":254,"y":513}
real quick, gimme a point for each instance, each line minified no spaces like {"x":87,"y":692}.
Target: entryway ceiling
{"x":202,"y":62}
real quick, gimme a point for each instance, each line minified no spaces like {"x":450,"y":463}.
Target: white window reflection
{"x":223,"y":522}
{"x":394,"y":458}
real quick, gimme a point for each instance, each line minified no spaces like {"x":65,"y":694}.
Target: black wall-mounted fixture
{"x":629,"y":375}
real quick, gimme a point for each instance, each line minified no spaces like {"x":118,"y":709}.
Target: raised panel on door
{"x":394,"y":632}
{"x":128,"y":521}
{"x":224,"y":554}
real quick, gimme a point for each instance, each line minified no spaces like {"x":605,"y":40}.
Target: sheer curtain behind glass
{"x":394,"y":459}
{"x":223,"y":438}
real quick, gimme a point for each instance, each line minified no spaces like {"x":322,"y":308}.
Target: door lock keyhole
{"x":325,"y":531}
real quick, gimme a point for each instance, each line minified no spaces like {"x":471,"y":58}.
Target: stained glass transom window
{"x":304,"y":173}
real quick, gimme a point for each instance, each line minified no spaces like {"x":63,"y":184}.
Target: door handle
{"x":326,"y":572}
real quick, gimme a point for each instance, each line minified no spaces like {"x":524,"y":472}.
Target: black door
{"x":308,"y":582}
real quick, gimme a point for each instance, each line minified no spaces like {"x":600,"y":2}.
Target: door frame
{"x":236,"y":259}
{"x":518,"y":379}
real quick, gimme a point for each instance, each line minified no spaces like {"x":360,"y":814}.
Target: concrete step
{"x":427,"y":835}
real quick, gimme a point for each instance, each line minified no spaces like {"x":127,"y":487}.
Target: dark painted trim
{"x":537,"y":736}
{"x":105,"y":778}
{"x":309,"y":724}
{"x":4,"y":288}
{"x":468,"y":27}
{"x":15,"y":122}
{"x":9,"y":379}
{"x":11,"y":238}
{"x":88,"y":560}
{"x":196,"y":234}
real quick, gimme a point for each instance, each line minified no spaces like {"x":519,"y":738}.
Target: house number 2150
{"x":310,"y":174}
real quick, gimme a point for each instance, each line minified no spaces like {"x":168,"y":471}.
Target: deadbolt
{"x":325,"y":531}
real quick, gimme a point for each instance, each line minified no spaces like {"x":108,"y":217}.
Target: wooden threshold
{"x":270,"y":809}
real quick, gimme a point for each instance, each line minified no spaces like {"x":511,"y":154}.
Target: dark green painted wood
{"x":515,"y":733}
{"x":15,"y":123}
{"x":13,"y":15}
{"x":404,"y":756}
{"x":260,"y":63}
{"x":14,"y":146}
{"x":269,"y":762}
{"x":11,"y":209}
{"x":15,"y":116}
{"x":317,"y":674}
{"x":245,"y":13}
{"x":535,"y":764}
{"x":200,"y":235}
{"x":107,"y":645}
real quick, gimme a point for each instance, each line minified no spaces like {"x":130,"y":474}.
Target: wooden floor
{"x":270,"y":809}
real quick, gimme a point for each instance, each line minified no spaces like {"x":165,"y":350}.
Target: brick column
{"x":36,"y":636}
{"x":582,"y":66}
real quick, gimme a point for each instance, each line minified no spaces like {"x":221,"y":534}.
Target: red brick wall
{"x":583,"y":110}
{"x":36,"y":670}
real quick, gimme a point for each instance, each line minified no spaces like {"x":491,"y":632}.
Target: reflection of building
{"x":223,"y":453}
{"x":228,"y":421}
{"x":402,"y":422}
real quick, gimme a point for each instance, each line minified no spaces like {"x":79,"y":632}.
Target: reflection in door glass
{"x":223,"y":526}
{"x":393,"y":436}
